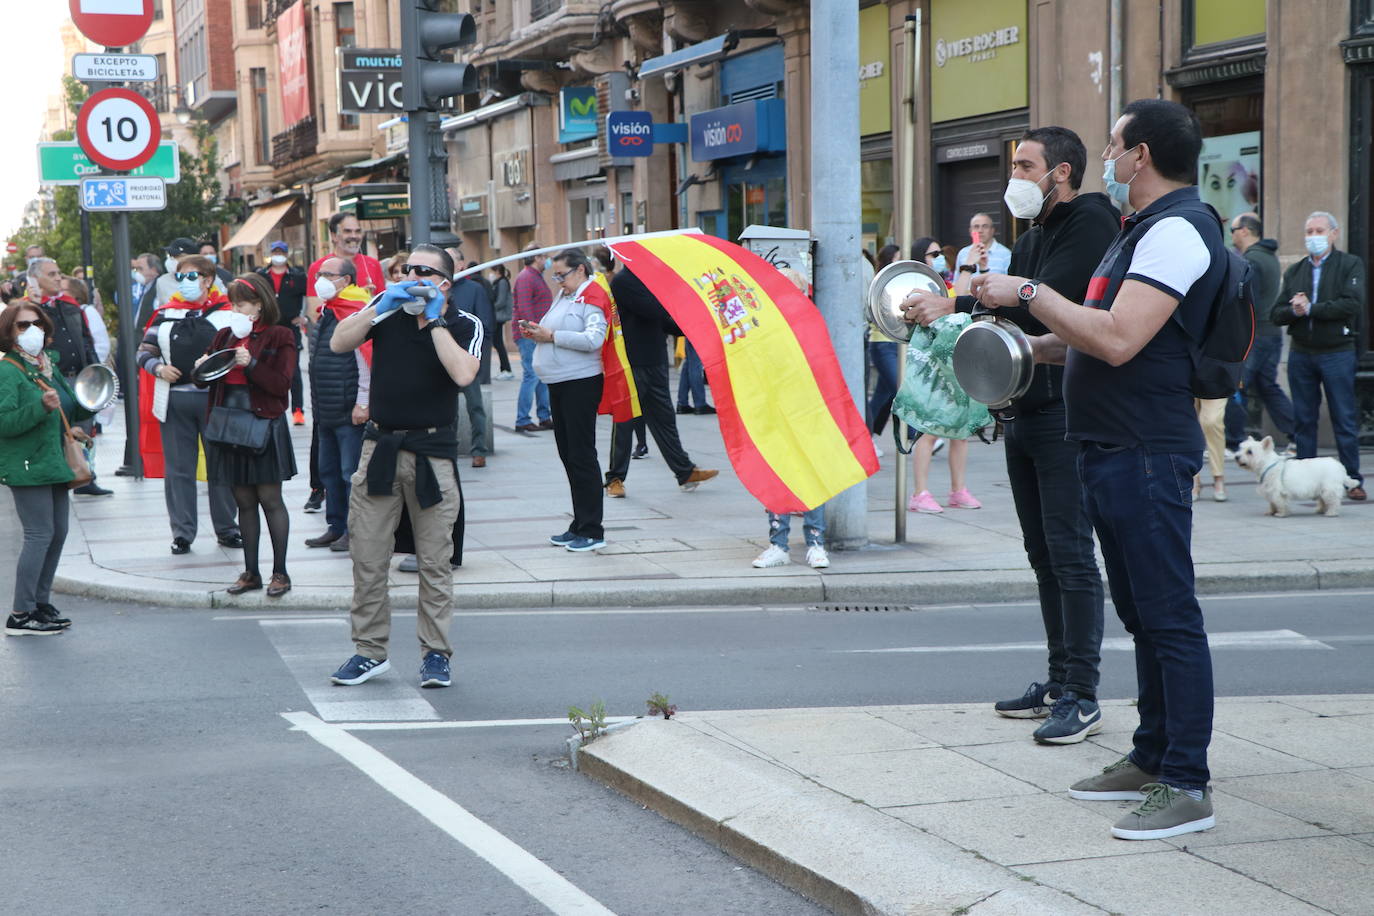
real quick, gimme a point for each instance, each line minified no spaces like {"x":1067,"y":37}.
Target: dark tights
{"x":267,"y":495}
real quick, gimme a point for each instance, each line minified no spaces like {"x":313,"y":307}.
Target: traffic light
{"x":426,"y":80}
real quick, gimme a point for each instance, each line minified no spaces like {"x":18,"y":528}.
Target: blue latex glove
{"x":395,"y":295}
{"x":437,"y":304}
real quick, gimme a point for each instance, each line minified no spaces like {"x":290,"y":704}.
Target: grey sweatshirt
{"x":579,"y":330}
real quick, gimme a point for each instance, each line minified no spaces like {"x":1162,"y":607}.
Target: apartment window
{"x":157,"y":10}
{"x":345,"y":36}
{"x":161,"y":101}
{"x":253,"y":13}
{"x":262,"y":141}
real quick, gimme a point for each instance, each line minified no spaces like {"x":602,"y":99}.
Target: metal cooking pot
{"x":893,"y":284}
{"x":95,"y":387}
{"x":993,"y":360}
{"x":217,"y":365}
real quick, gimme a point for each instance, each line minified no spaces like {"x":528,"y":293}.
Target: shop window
{"x":876,"y":203}
{"x":1229,"y":166}
{"x":1222,"y":26}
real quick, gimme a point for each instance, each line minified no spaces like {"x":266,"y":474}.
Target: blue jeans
{"x":1141,"y":506}
{"x":692,"y":381}
{"x":813,"y":528}
{"x":340,"y":448}
{"x":532,"y":390}
{"x":883,"y":355}
{"x":1261,"y":380}
{"x":1043,"y":470}
{"x":1309,"y":374}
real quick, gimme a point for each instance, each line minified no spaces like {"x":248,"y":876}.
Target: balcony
{"x":271,"y":9}
{"x":295,"y":143}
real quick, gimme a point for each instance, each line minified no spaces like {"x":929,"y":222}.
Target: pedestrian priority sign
{"x":123,"y":193}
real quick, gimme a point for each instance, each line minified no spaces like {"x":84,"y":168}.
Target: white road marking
{"x":528,"y":873}
{"x":474,"y":723}
{"x":303,"y":645}
{"x":1243,"y":639}
{"x":533,"y":612}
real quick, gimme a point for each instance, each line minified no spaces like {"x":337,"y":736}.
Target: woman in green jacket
{"x":33,"y":398}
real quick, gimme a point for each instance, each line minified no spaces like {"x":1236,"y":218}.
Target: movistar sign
{"x":576,"y":113}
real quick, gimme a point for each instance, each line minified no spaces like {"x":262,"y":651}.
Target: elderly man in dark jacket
{"x":472,"y":297}
{"x":339,"y":388}
{"x":1320,"y":303}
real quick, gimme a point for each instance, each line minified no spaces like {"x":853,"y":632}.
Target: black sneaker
{"x":640,"y":451}
{"x":46,"y":612}
{"x":434,"y":672}
{"x":30,"y":624}
{"x":562,"y":540}
{"x":93,"y":489}
{"x":1035,"y":703}
{"x":316,"y":501}
{"x":1071,"y":720}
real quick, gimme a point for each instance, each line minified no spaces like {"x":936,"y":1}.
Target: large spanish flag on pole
{"x":790,"y":425}
{"x":619,"y":396}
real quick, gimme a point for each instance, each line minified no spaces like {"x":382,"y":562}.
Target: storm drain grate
{"x":862,"y":608}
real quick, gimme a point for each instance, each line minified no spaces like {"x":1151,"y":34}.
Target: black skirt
{"x":236,"y":468}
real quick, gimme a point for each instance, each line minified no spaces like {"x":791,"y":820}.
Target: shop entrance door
{"x":753,"y":196}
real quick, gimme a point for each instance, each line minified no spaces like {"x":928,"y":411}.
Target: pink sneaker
{"x":963,"y":499}
{"x":923,"y":502}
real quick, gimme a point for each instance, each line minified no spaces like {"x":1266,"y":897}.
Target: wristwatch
{"x":967,"y":269}
{"x":1026,"y":291}
{"x":436,"y":323}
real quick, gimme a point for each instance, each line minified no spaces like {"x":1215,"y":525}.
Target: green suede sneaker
{"x":1122,"y":781}
{"x":1166,"y":812}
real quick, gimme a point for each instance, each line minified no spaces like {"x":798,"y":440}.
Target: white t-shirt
{"x":1171,"y":257}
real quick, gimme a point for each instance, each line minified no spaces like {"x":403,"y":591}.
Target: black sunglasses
{"x":25,"y":325}
{"x":420,"y":270}
{"x":189,"y":275}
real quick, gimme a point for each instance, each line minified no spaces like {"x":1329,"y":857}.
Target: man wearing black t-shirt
{"x":1127,"y":389}
{"x":421,"y":356}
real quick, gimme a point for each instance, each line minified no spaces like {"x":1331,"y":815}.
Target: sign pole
{"x":421,"y":176}
{"x":835,"y":226}
{"x":128,"y":345}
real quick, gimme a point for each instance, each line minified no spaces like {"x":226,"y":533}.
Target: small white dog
{"x":1283,"y":479}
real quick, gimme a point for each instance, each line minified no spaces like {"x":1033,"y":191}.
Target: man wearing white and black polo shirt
{"x":420,"y":358}
{"x":1127,"y":391}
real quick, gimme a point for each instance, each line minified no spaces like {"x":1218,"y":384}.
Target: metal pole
{"x":86,"y":257}
{"x":128,"y":313}
{"x":421,"y":176}
{"x":906,"y":231}
{"x":835,"y":183}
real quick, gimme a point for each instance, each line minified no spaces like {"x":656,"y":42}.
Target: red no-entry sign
{"x":112,"y":23}
{"x":118,"y":128}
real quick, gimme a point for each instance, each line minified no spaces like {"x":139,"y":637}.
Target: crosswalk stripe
{"x":1243,"y":639}
{"x":390,"y":697}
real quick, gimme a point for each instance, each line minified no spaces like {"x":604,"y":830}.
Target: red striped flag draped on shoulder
{"x":619,"y":397}
{"x":791,"y":428}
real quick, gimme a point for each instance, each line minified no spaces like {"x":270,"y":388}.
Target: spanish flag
{"x":790,"y":425}
{"x":619,"y":397}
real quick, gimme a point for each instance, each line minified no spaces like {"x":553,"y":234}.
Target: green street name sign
{"x":64,"y":163}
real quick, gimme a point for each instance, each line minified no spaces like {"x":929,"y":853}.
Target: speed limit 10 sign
{"x":118,"y":128}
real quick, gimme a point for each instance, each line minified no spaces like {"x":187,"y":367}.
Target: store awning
{"x":262,"y":221}
{"x":354,"y":169}
{"x":703,"y":52}
{"x":576,"y":163}
{"x":494,"y":110}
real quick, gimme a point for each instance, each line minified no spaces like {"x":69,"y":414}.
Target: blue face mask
{"x":189,"y":289}
{"x":212,"y":258}
{"x":939,"y":263}
{"x":548,"y":264}
{"x":1317,"y":245}
{"x":1119,"y":191}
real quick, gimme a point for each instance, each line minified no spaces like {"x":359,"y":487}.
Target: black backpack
{"x":191,"y":336}
{"x":1219,"y":355}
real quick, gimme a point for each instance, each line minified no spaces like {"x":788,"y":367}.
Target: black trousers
{"x":297,"y":378}
{"x":1043,"y":470}
{"x":661,"y":419}
{"x":573,"y":405}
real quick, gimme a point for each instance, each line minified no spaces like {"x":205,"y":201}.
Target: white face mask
{"x":325,"y":288}
{"x":170,"y":264}
{"x":31,"y":340}
{"x":1024,"y":198}
{"x":240,"y":325}
{"x":278,"y":259}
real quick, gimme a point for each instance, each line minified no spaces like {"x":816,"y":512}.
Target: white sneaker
{"x":939,"y":446}
{"x":878,"y":449}
{"x":773,"y":556}
{"x":504,"y":376}
{"x":816,"y":557}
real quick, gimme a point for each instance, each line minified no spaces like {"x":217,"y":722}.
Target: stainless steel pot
{"x":993,"y":361}
{"x":217,"y":365}
{"x":95,"y":387}
{"x":893,"y":284}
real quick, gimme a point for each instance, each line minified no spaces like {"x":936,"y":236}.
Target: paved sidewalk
{"x":669,"y":548}
{"x":952,"y":810}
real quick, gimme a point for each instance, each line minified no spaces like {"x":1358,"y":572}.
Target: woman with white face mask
{"x":34,"y":398}
{"x":259,"y":385}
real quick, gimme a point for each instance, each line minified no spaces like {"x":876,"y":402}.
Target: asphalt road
{"x":148,"y":767}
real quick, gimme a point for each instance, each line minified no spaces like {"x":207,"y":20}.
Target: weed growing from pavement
{"x":659,"y":706}
{"x":591,"y":724}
